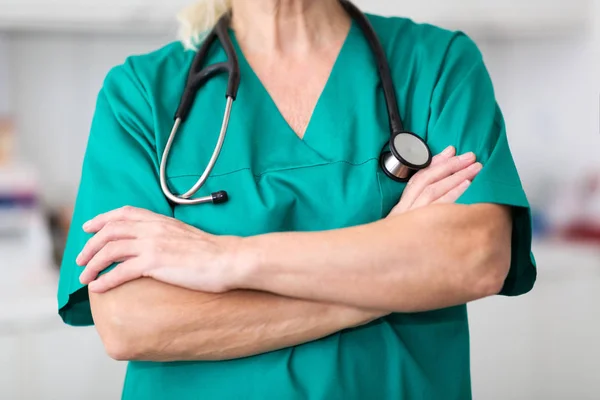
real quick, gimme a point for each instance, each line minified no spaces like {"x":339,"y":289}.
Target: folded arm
{"x":431,"y":258}
{"x":152,"y":321}
{"x":367,"y":267}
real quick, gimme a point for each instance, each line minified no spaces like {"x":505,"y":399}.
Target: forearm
{"x":428,"y":259}
{"x":151,"y":321}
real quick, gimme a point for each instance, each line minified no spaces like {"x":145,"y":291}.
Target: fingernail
{"x":87,"y":225}
{"x":95,"y":287}
{"x":476,"y":167}
{"x":466,"y":183}
{"x":467,"y":156}
{"x":78,"y":259}
{"x":448,"y":151}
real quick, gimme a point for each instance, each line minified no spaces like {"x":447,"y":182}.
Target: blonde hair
{"x":198,"y":19}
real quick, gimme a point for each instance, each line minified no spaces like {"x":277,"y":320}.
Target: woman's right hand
{"x":443,"y":182}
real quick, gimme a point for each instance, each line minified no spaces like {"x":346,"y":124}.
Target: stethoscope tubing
{"x":184,"y":199}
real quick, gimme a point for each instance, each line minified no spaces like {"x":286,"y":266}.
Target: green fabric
{"x":278,"y":182}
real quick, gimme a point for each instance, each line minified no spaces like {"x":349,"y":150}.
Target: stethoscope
{"x":407,"y":153}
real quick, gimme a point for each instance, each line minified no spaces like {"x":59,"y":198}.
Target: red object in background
{"x":582,"y":232}
{"x":586,"y":227}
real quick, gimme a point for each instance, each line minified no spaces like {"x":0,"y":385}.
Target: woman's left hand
{"x":154,"y":246}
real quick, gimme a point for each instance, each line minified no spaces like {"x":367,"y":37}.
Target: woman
{"x":321,"y":278}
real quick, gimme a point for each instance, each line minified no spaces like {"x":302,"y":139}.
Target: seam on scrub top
{"x":380,"y":194}
{"x":277,"y":170}
{"x":316,"y":165}
{"x":211,"y":176}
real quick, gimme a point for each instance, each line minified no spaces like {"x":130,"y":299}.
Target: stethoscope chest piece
{"x":407,"y":154}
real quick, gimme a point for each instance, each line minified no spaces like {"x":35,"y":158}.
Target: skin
{"x":292,"y":46}
{"x":183,"y":294}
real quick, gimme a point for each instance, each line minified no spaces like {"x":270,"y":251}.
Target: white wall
{"x":596,"y":53}
{"x":549,"y":96}
{"x":56,"y":78}
{"x":542,"y":346}
{"x":4,"y":76}
{"x":544,"y":87}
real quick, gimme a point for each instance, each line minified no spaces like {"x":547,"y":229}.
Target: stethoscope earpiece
{"x":407,"y":154}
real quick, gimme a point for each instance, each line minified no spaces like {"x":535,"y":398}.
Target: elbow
{"x":121,"y":342}
{"x":120,"y":350}
{"x":491,"y":281}
{"x":122,"y":338}
{"x":491,"y":261}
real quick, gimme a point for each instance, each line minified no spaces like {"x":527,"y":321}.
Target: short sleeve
{"x":120,"y":168}
{"x":464,"y":113}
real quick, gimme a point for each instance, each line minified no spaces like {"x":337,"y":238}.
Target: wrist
{"x":245,"y":260}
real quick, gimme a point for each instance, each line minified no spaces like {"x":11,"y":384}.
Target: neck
{"x":289,"y":26}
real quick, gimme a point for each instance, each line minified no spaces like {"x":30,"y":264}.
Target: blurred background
{"x":544,"y":58}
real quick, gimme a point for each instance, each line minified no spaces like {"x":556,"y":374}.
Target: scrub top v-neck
{"x":322,"y":119}
{"x":278,"y":182}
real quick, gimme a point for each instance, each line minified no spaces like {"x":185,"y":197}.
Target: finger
{"x":453,"y":195}
{"x":441,"y":188}
{"x":445,"y":155}
{"x":435,"y":174}
{"x":112,"y":231}
{"x":126,"y":213}
{"x":126,"y":272}
{"x":448,"y":152}
{"x":113,"y":252}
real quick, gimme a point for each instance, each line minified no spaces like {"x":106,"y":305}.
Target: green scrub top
{"x":278,"y":182}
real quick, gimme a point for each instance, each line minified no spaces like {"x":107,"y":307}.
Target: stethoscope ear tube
{"x":199,"y":74}
{"x":407,"y":153}
{"x":383,"y":67}
{"x":232,"y":63}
